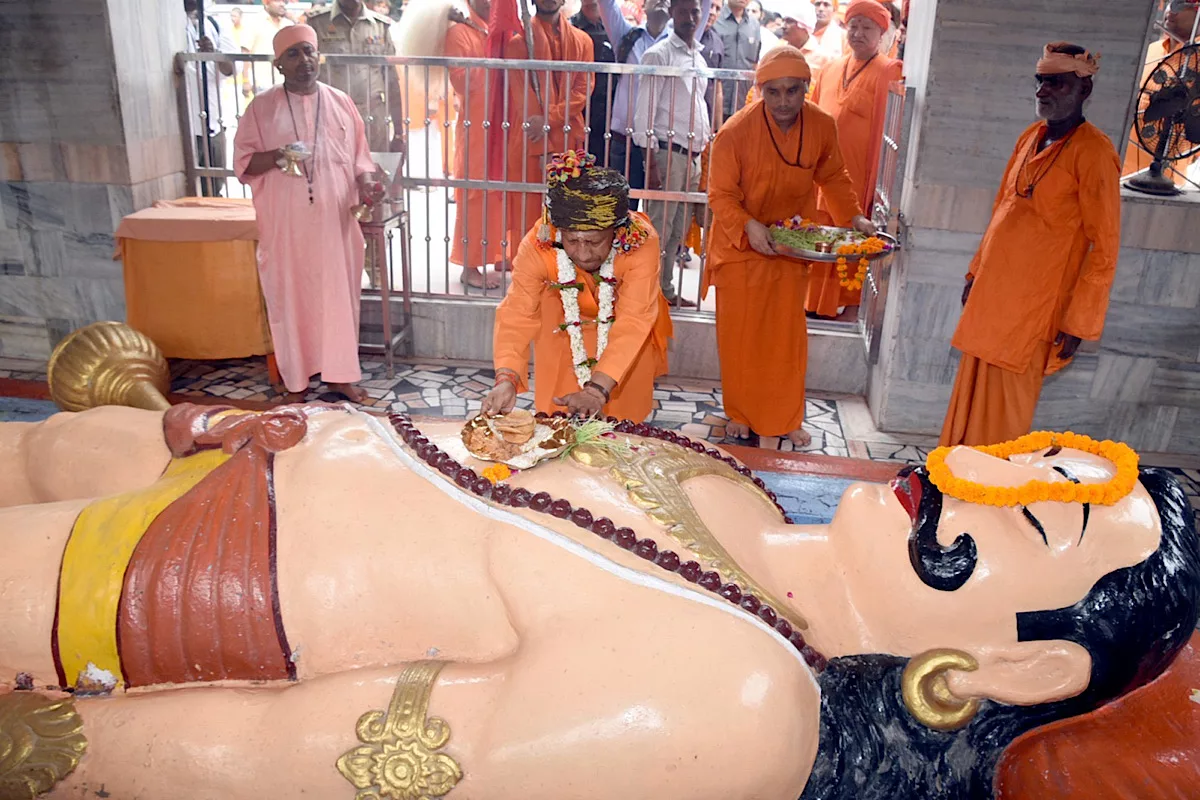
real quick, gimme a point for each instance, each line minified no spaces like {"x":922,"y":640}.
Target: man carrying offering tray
{"x":585,"y":289}
{"x":767,"y":163}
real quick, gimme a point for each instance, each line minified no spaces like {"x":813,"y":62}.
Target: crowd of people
{"x":592,"y":275}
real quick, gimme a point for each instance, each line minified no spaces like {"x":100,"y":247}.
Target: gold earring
{"x":927,"y":695}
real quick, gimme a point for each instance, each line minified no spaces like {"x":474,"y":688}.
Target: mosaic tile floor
{"x":840,"y":425}
{"x":455,"y":390}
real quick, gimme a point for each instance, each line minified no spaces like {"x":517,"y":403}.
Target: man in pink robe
{"x":310,"y":247}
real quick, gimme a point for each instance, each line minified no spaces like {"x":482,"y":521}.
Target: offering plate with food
{"x":809,"y":241}
{"x":520,"y":440}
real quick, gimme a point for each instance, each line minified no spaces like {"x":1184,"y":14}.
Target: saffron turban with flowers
{"x":583,"y":197}
{"x":1085,"y":64}
{"x":872,"y":10}
{"x":292,"y":36}
{"x":784,"y":61}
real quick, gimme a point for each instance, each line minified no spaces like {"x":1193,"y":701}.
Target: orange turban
{"x":1085,"y":65}
{"x":872,"y":10}
{"x":292,"y":36}
{"x":784,"y":61}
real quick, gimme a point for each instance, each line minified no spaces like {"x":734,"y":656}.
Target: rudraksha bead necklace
{"x":625,"y":538}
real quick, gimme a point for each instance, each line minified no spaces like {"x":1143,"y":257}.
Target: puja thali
{"x":805,"y":240}
{"x":518,"y":438}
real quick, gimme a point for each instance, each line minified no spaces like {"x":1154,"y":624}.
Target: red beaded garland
{"x":625,"y":538}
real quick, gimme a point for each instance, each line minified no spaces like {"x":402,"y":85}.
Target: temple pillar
{"x":89,"y":132}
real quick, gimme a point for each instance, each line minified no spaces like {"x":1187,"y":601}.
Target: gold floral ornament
{"x":41,"y":742}
{"x":399,"y":756}
{"x":1106,"y":494}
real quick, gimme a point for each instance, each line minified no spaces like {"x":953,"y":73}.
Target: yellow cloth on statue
{"x":92,"y":576}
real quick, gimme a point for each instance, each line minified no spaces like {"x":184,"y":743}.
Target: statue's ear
{"x":1025,"y":673}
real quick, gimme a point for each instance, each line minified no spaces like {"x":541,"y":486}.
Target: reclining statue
{"x":213,"y":603}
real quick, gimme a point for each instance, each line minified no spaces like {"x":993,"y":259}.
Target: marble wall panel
{"x":1155,"y":223}
{"x":12,"y":252}
{"x":939,"y":256}
{"x":914,"y":407}
{"x":1185,"y":437}
{"x":34,"y":205}
{"x":23,"y":337}
{"x":90,"y":256}
{"x":93,"y":163}
{"x":1142,"y":427}
{"x":693,"y":350}
{"x":836,"y":363}
{"x":1127,"y":282}
{"x":1170,"y":333}
{"x":167,"y":187}
{"x":927,"y":318}
{"x":48,"y":255}
{"x":1175,"y":384}
{"x":1170,"y":279}
{"x":1123,"y":379}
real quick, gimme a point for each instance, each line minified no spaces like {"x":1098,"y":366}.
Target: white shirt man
{"x":210,"y":145}
{"x":671,"y":120}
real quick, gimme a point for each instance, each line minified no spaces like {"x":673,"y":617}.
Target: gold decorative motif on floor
{"x":653,"y":474}
{"x":41,"y":742}
{"x":399,"y":756}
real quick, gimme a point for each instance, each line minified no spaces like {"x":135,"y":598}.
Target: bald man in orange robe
{"x":766,"y":165}
{"x":853,"y":89}
{"x":479,"y":214}
{"x":588,"y":220}
{"x":1039,"y":283}
{"x":564,"y":101}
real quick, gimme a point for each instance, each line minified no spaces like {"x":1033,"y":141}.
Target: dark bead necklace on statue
{"x":309,"y":166}
{"x":503,"y":495}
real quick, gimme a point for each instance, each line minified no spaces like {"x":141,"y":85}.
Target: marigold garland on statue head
{"x":1106,"y":494}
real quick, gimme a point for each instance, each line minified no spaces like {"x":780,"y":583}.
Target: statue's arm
{"x":71,"y":456}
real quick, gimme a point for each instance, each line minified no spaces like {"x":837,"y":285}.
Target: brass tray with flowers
{"x":806,"y":240}
{"x":520,"y":440}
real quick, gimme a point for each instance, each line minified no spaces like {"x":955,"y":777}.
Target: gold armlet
{"x":399,"y":757}
{"x":41,"y":742}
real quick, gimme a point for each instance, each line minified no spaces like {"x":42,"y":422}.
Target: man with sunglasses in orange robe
{"x":1039,"y":284}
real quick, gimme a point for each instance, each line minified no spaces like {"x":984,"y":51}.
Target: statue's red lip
{"x":907,"y":487}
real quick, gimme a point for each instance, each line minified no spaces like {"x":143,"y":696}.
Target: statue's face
{"x":1017,"y":569}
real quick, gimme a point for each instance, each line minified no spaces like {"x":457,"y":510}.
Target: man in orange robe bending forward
{"x":767,"y":163}
{"x":585,"y":287}
{"x":854,"y":90}
{"x":1039,"y":284}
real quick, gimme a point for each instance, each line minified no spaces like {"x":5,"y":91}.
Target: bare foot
{"x":800,"y":437}
{"x":502,"y":266}
{"x":472,"y":276}
{"x":679,"y":302}
{"x":737,"y":430}
{"x":349,"y":391}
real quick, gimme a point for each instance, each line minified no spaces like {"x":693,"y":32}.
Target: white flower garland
{"x":569,"y":291}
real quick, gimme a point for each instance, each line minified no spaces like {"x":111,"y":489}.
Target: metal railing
{"x":431,"y":187}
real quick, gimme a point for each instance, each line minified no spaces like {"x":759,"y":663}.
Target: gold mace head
{"x":108,"y":364}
